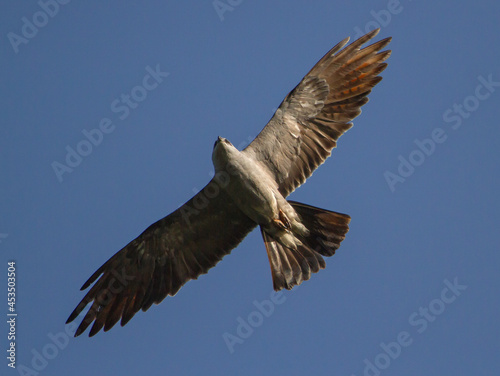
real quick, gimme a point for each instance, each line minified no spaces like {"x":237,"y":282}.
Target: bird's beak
{"x":219,"y":138}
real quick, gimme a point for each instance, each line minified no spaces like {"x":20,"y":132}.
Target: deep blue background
{"x":226,"y":78}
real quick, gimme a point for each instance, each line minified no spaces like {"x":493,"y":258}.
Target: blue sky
{"x":413,"y":289}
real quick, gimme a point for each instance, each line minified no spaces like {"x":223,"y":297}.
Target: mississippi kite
{"x":249,"y":189}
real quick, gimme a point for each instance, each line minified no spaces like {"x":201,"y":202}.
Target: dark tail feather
{"x":327,"y":228}
{"x":290,"y":267}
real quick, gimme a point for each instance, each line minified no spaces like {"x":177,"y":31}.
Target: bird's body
{"x":249,"y":189}
{"x":249,"y":184}
{"x":256,"y":193}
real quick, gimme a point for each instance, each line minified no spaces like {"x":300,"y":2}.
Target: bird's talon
{"x":282,"y":221}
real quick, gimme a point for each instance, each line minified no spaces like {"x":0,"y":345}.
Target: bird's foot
{"x":282,"y":221}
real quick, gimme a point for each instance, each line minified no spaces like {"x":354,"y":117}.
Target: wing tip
{"x":366,"y":37}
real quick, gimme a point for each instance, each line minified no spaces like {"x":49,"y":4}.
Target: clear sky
{"x":414,"y":288}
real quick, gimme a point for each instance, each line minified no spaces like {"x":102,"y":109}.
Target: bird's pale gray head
{"x":220,"y":155}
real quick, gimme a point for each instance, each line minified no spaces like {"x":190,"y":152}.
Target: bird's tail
{"x":327,"y":229}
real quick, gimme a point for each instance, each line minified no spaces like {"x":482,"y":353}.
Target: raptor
{"x":249,"y":189}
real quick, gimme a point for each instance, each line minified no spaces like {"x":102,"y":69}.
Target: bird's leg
{"x":282,"y":221}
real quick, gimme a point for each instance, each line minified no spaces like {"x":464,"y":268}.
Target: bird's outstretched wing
{"x":164,"y":257}
{"x":305,"y":128}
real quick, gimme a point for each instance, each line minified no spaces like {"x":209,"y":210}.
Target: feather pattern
{"x":172,"y":251}
{"x":305,"y":128}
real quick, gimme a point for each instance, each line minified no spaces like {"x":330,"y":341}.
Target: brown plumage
{"x":306,"y":126}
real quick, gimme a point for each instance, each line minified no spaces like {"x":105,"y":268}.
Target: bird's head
{"x":222,"y":143}
{"x":220,"y":154}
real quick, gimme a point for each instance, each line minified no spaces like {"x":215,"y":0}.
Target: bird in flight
{"x":249,"y":189}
